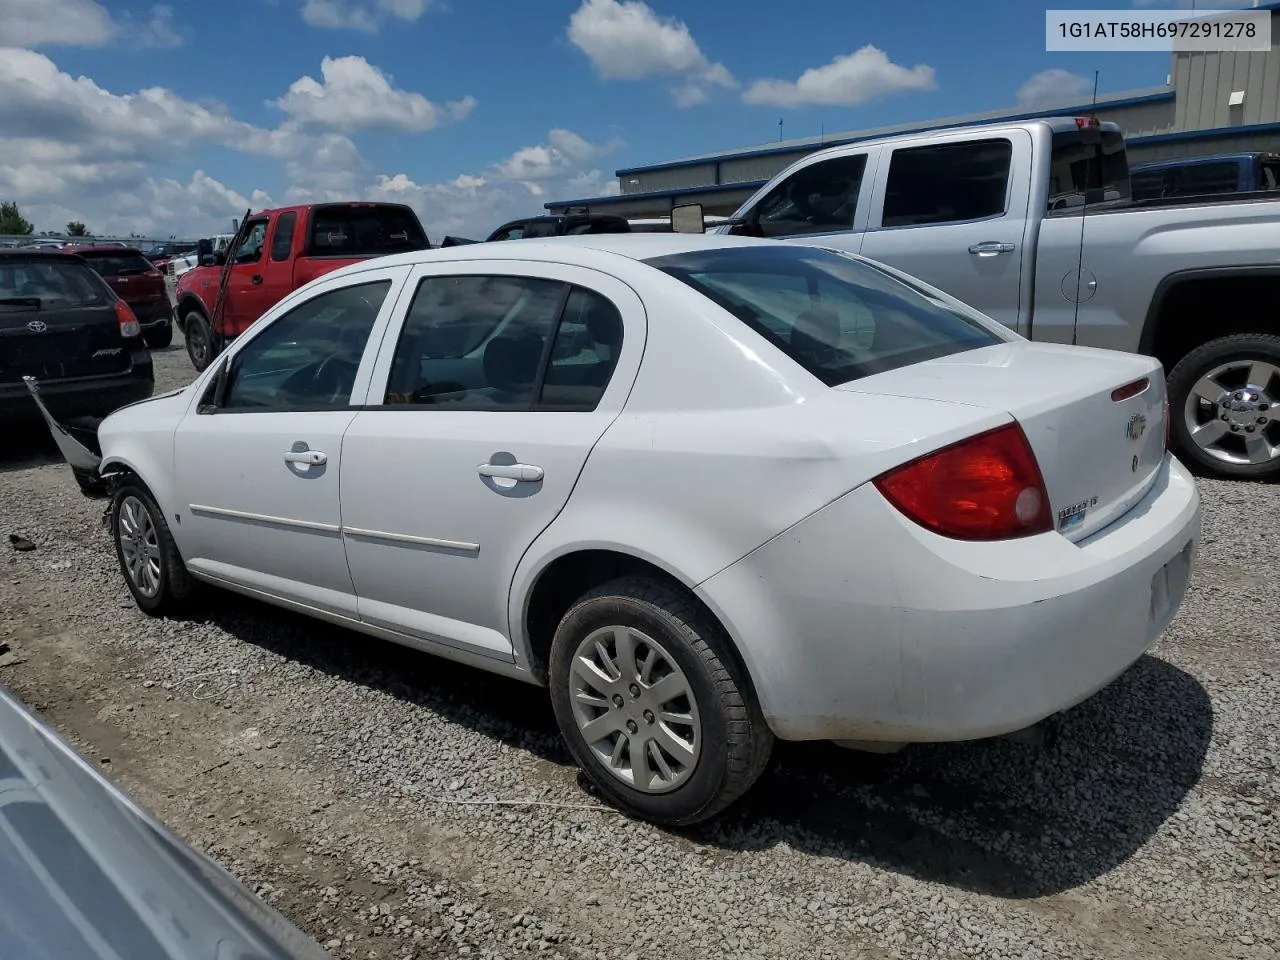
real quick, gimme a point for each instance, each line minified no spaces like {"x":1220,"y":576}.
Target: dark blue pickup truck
{"x":1198,"y":176}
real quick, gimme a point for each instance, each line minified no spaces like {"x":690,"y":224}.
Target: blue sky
{"x":136,"y":116}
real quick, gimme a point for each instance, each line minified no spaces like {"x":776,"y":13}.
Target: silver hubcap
{"x":139,"y":546}
{"x":635,"y":709}
{"x":1231,"y":412}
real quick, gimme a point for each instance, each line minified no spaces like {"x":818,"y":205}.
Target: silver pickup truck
{"x":1032,"y":223}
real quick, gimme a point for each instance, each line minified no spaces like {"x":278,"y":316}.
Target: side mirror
{"x":207,"y":260}
{"x":688,"y":218}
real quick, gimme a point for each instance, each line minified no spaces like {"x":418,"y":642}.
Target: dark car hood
{"x":86,"y":874}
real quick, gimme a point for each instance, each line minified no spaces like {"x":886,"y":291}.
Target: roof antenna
{"x":779,"y":129}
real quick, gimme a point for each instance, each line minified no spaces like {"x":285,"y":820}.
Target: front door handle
{"x":311,"y":457}
{"x":990,"y":248}
{"x":525,"y":472}
{"x":256,"y":278}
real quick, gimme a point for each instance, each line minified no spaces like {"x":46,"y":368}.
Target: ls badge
{"x":1136,"y":427}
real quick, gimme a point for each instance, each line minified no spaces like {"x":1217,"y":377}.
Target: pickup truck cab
{"x":1200,"y":176}
{"x":1032,"y":223}
{"x":279,"y":251}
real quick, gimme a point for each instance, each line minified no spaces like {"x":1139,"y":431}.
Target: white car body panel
{"x":725,"y":464}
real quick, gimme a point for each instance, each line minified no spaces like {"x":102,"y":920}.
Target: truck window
{"x":819,"y":198}
{"x":947,"y":183}
{"x":362,"y":230}
{"x":250,"y":249}
{"x":282,"y":242}
{"x":1087,"y":166}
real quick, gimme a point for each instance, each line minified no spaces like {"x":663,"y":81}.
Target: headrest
{"x":511,"y":360}
{"x":820,"y":324}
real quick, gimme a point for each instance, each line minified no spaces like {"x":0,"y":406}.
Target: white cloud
{"x":1054,"y":85}
{"x":627,"y":40}
{"x":365,"y":16}
{"x":864,"y":75}
{"x":474,"y":205}
{"x":352,"y":94}
{"x":81,"y":23}
{"x":72,"y":145}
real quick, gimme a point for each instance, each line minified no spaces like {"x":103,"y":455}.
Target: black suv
{"x":562,"y":225}
{"x":62,"y":324}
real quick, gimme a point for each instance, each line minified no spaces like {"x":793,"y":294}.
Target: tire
{"x":199,"y":337}
{"x":731,"y":742}
{"x":160,"y":337}
{"x":1232,"y":362}
{"x":136,"y":517}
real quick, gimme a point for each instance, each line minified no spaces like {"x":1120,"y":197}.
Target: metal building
{"x":1213,"y":103}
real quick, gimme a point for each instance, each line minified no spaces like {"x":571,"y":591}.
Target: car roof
{"x":56,"y":255}
{"x":83,"y":248}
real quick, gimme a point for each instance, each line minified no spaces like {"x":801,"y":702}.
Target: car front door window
{"x":820,"y":198}
{"x":308,"y":358}
{"x":250,"y":249}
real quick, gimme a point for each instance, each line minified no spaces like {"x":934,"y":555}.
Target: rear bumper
{"x":857,"y":624}
{"x":78,"y":397}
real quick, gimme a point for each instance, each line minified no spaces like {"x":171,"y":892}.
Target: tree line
{"x":13,"y":223}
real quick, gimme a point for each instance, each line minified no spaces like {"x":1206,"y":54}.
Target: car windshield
{"x":52,"y":283}
{"x":363,"y":230}
{"x":839,"y":318}
{"x":117,"y":264}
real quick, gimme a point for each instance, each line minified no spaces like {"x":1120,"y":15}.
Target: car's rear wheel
{"x":652,"y":703}
{"x":149,"y":559}
{"x":195,"y":328}
{"x":1224,"y":398}
{"x":160,"y":337}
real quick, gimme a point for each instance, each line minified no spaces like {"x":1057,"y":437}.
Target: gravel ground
{"x":360,"y":787}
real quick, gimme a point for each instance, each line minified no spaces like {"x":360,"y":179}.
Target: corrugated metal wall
{"x":1204,"y":81}
{"x":676,"y":178}
{"x":1149,"y":153}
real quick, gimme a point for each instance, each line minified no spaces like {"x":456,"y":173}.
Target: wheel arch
{"x":1173,"y":326}
{"x":544,"y":589}
{"x":132,"y":459}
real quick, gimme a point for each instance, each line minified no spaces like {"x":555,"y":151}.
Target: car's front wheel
{"x":149,"y":559}
{"x":653,"y":705}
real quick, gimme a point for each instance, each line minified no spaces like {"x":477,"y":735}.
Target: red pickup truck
{"x":278,"y":252}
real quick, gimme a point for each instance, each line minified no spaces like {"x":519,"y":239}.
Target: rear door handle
{"x":256,"y":278}
{"x":525,"y":472}
{"x":990,"y":248}
{"x":312,"y":457}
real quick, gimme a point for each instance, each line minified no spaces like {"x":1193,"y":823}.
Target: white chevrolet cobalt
{"x":710,"y":490}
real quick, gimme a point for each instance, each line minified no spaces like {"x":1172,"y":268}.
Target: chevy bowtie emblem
{"x":37,"y":326}
{"x":1136,"y":426}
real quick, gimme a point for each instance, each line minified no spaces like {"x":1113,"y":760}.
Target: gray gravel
{"x":351,"y":783}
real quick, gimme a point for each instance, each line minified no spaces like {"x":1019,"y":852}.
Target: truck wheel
{"x":652,"y":703}
{"x":1223,"y":399}
{"x":199,"y":339}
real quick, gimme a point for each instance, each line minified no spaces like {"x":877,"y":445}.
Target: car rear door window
{"x":475,"y":342}
{"x":308,"y":358}
{"x":505,"y":343}
{"x":947,"y":183}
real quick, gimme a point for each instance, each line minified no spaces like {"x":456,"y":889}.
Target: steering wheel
{"x":332,"y":376}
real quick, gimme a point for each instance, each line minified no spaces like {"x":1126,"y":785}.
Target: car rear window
{"x":340,"y":230}
{"x":52,"y":283}
{"x":117,"y":264}
{"x":839,"y":318}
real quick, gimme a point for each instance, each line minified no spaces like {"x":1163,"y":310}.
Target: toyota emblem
{"x":37,"y":326}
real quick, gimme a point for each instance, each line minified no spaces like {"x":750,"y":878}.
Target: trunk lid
{"x":1098,"y":454}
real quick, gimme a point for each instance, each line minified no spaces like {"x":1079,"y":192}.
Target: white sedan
{"x":710,"y":490}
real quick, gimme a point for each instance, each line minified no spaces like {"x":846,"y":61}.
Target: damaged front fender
{"x":77,"y":444}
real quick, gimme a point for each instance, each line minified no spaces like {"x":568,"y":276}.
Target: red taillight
{"x":987,"y":487}
{"x":129,"y":326}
